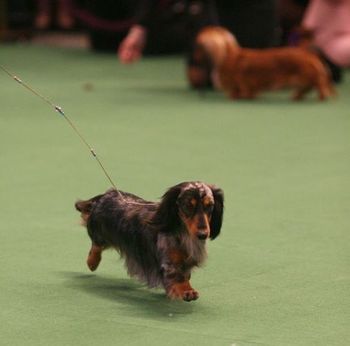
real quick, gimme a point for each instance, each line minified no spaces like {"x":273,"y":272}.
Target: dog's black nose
{"x":202,"y":234}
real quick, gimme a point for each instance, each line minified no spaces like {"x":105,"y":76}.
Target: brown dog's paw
{"x":190,"y":295}
{"x":94,"y":258}
{"x":182,"y":291}
{"x":93,"y":262}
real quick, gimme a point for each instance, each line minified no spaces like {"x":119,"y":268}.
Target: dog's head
{"x":216,"y":43}
{"x":195,"y":205}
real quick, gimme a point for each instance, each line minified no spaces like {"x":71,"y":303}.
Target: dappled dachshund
{"x":161,"y":242}
{"x":244,"y":73}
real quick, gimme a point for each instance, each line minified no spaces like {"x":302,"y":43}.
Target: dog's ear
{"x":166,"y":217}
{"x":218,"y":211}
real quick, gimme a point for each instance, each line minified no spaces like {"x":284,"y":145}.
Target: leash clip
{"x":59,"y":110}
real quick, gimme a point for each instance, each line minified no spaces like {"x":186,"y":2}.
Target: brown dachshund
{"x":244,"y":73}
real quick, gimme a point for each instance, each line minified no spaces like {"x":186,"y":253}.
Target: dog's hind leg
{"x":94,"y":257}
{"x":246,"y":92}
{"x":301,"y":92}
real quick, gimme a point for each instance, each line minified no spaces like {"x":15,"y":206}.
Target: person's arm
{"x":131,"y":48}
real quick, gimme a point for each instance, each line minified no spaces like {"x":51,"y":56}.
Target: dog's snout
{"x":202,"y":234}
{"x":203,"y":228}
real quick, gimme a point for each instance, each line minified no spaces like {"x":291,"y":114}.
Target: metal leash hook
{"x":59,"y":110}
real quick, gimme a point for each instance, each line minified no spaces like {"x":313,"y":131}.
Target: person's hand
{"x":131,"y":48}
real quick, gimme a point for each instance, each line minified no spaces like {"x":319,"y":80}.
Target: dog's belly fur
{"x":113,"y":224}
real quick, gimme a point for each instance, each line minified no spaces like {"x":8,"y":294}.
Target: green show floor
{"x":279,"y":273}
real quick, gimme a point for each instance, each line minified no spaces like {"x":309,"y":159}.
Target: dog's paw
{"x":182,"y":291}
{"x":94,"y":258}
{"x":92,"y":263}
{"x":190,"y":295}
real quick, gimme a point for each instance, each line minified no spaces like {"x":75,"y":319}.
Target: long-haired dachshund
{"x":244,"y":73}
{"x":161,"y":242}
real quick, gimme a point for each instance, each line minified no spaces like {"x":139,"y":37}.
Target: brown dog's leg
{"x":325,"y":89}
{"x":300,"y":93}
{"x":176,"y":281}
{"x":246,"y":92}
{"x":233,"y":93}
{"x":94,"y":257}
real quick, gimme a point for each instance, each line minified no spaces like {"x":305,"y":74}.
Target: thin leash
{"x":59,"y":110}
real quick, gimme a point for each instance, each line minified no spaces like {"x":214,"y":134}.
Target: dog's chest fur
{"x":192,"y":253}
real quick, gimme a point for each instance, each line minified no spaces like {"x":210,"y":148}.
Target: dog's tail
{"x":85,"y":208}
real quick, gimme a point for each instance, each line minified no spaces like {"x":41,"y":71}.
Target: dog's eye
{"x":208,"y":208}
{"x":208,"y":204}
{"x":189,"y":207}
{"x":191,"y":204}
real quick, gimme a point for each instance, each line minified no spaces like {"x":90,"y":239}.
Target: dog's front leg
{"x":182,"y":290}
{"x":94,"y":257}
{"x":177,"y":282}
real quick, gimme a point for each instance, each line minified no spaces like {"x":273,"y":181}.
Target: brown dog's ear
{"x":218,"y":212}
{"x":166,"y":217}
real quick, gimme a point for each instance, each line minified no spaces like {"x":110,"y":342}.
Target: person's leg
{"x":43,"y":15}
{"x":64,"y":14}
{"x":254,"y":22}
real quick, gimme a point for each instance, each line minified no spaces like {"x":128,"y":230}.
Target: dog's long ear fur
{"x":218,"y":211}
{"x":166,"y":217}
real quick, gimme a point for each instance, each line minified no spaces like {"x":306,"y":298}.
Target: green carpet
{"x":279,"y":274}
